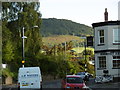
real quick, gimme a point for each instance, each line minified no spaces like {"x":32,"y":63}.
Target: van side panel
{"x":30,"y":77}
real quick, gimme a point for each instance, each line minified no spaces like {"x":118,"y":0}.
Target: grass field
{"x":54,"y":40}
{"x":60,"y":39}
{"x":81,"y":49}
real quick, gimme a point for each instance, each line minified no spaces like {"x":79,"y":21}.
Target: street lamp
{"x":23,"y":54}
{"x":24,"y":37}
{"x":35,"y":26}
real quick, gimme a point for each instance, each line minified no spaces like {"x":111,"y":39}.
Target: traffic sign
{"x":90,"y":41}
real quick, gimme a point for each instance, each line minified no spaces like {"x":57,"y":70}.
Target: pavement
{"x":103,"y":86}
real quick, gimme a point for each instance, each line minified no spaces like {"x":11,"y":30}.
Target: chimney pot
{"x":106,"y":15}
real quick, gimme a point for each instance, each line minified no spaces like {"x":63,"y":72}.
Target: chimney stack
{"x":106,"y":15}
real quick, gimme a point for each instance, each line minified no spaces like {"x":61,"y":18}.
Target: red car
{"x":74,"y":82}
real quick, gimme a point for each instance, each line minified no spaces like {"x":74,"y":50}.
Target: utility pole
{"x":85,"y":56}
{"x":65,"y":57}
{"x":85,"y":52}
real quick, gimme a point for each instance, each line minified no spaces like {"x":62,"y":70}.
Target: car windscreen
{"x":74,"y":80}
{"x":81,"y":73}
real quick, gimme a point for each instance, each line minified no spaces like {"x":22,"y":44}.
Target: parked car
{"x":84,"y":75}
{"x":74,"y":82}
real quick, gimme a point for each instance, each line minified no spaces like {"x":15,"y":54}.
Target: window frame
{"x":101,"y":36}
{"x":116,"y":65}
{"x":102,"y":66}
{"x":118,"y":36}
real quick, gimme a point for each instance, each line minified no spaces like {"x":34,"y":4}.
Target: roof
{"x":72,"y":76}
{"x":106,"y":23}
{"x":28,"y":68}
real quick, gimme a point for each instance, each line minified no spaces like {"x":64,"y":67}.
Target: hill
{"x":53,"y":26}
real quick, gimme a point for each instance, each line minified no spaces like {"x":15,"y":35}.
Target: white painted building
{"x":119,"y":10}
{"x":107,"y":48}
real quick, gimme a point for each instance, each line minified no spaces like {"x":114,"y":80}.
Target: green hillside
{"x":53,"y":26}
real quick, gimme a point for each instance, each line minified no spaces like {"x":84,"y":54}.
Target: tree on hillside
{"x":53,"y":26}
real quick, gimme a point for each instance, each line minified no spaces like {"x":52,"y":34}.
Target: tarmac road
{"x":56,"y":84}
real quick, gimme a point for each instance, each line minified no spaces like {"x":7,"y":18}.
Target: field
{"x":53,"y":40}
{"x":81,"y":49}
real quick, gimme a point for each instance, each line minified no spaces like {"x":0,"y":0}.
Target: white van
{"x":29,"y":78}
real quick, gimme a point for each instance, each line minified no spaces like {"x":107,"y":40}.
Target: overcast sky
{"x":80,"y":11}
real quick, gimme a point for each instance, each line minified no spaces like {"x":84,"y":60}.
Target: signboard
{"x":90,"y":41}
{"x":110,"y":53}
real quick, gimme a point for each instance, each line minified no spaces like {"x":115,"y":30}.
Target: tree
{"x":8,"y":50}
{"x":30,"y":18}
{"x":15,"y":16}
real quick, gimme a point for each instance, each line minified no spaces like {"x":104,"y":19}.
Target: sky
{"x":80,"y":11}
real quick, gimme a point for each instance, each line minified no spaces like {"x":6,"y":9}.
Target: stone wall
{"x":8,"y":80}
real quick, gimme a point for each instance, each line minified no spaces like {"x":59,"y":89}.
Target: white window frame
{"x":118,"y":35}
{"x":116,"y":59}
{"x":99,"y":62}
{"x":101,"y":36}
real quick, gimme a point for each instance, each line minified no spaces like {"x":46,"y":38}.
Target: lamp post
{"x":23,"y":53}
{"x":23,"y":37}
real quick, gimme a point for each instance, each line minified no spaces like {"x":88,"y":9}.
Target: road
{"x":56,"y":84}
{"x":90,"y":83}
{"x":52,"y":84}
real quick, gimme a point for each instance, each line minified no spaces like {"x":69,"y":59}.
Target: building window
{"x":102,"y":62}
{"x":116,"y":61}
{"x":101,"y":36}
{"x":116,"y":35}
